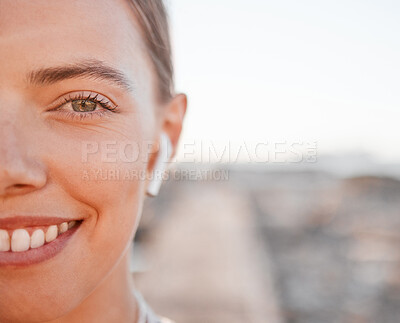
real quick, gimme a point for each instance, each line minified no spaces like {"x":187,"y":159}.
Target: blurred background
{"x":282,"y":204}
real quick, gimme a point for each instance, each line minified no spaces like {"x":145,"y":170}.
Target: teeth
{"x":51,"y":233}
{"x":63,"y":227}
{"x":4,"y":240}
{"x":37,"y":239}
{"x":71,"y":224}
{"x":20,"y":240}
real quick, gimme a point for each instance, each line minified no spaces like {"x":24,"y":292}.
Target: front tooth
{"x":51,"y":233}
{"x":20,"y":240}
{"x":4,"y":240}
{"x":63,"y":227}
{"x":37,"y":239}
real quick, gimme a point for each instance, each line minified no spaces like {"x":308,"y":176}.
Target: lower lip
{"x":37,"y":255}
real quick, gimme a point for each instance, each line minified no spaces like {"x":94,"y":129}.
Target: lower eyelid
{"x":78,"y":116}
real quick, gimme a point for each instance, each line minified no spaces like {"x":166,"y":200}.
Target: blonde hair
{"x":153,"y":20}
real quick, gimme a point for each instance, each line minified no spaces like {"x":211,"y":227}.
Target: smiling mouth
{"x":23,"y":239}
{"x":26,"y":241}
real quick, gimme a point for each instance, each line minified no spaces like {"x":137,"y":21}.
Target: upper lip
{"x":16,"y":222}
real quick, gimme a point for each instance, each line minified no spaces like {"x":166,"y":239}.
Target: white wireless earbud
{"x":160,"y":166}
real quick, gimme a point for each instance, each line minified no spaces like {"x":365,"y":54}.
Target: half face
{"x":77,"y":109}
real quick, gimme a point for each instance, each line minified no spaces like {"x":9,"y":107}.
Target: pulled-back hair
{"x":153,"y":20}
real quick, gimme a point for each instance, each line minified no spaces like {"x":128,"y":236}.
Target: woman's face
{"x":77,"y":113}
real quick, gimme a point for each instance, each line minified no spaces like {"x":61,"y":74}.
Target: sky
{"x":312,"y":71}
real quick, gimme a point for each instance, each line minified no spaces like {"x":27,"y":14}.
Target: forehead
{"x":38,"y":32}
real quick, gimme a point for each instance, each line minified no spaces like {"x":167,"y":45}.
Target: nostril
{"x":21,"y":178}
{"x":18,"y":188}
{"x":19,"y":185}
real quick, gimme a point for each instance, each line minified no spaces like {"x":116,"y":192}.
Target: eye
{"x":86,"y":102}
{"x":83,"y":105}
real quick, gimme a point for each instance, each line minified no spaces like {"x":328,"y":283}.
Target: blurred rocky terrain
{"x":288,"y":247}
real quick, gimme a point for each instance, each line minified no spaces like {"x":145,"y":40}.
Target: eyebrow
{"x":88,"y":68}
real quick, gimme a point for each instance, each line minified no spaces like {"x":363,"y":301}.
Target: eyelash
{"x":106,"y":104}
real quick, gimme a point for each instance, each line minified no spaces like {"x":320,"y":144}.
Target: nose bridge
{"x":20,"y":171}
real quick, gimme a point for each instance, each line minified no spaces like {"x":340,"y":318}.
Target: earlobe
{"x":160,"y":165}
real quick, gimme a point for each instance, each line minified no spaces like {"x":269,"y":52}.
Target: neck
{"x":111,"y":301}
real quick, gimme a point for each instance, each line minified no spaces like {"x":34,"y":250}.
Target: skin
{"x":41,"y":166}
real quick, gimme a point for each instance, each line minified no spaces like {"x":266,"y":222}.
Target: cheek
{"x":115,"y":191}
{"x":108,"y":177}
{"x":109,"y":186}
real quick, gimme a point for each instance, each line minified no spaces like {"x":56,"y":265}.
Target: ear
{"x":170,"y":124}
{"x":173,"y":116}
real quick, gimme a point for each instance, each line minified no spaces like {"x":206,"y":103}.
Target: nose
{"x":20,"y":173}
